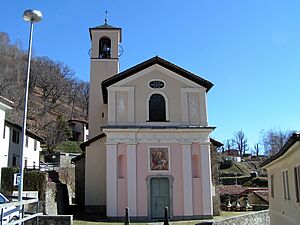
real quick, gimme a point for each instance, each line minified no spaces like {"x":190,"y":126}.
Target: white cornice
{"x":162,"y":136}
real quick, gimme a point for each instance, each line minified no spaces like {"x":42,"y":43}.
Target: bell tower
{"x":105,"y":41}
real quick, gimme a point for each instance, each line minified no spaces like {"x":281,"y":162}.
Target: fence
{"x":20,"y":208}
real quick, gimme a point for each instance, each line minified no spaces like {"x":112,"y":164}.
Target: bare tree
{"x":256,"y":149}
{"x":229,"y":144}
{"x":240,"y":141}
{"x":54,"y":91}
{"x":273,"y":140}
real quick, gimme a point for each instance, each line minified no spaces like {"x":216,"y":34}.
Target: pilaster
{"x":206,"y":179}
{"x":111,"y":180}
{"x":187,"y":180}
{"x":131,"y":179}
{"x":111,"y":106}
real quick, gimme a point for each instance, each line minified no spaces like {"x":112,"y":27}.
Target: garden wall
{"x":255,"y":218}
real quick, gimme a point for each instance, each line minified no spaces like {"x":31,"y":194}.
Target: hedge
{"x":34,"y":180}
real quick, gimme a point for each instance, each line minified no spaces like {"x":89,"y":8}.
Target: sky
{"x":249,"y":49}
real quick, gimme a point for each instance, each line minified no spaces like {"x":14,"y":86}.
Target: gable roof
{"x":88,"y":142}
{"x":293,"y":139}
{"x":216,"y":143}
{"x":28,"y":133}
{"x":155,"y":60}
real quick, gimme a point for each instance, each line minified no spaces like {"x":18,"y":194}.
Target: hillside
{"x":232,"y":172}
{"x":55,"y":94}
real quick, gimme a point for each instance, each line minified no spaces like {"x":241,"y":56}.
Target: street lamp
{"x":32,"y":16}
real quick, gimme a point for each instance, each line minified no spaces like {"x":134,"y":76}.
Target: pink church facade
{"x":149,"y":145}
{"x":137,"y":168}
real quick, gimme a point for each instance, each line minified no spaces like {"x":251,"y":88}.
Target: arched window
{"x":157,"y":108}
{"x":105,"y":48}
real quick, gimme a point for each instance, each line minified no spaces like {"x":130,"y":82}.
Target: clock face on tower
{"x":156,"y":84}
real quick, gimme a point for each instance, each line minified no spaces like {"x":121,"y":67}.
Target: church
{"x":149,"y":143}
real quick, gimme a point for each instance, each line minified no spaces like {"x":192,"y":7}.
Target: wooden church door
{"x":159,"y":197}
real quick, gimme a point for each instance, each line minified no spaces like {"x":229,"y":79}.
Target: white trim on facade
{"x":111,"y":106}
{"x":206,"y":176}
{"x":111,"y":180}
{"x":187,"y":180}
{"x":132,"y":179}
{"x":157,"y":136}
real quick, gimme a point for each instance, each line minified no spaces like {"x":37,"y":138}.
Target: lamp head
{"x":32,"y":15}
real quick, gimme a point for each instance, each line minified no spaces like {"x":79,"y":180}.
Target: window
{"x":14,"y":162}
{"x":26,"y":141}
{"x":272,"y":185}
{"x":4,"y":132}
{"x":157,"y":108}
{"x":35,"y":145}
{"x":105,"y":48}
{"x":297,"y":182}
{"x":15,"y":137}
{"x":286,"y":188}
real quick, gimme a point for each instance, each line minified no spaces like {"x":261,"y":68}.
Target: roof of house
{"x":6,"y":102}
{"x":216,"y":143}
{"x":77,"y":120}
{"x":231,"y":189}
{"x":262,"y":194}
{"x":292,"y":140}
{"x":87,"y":143}
{"x":76,"y":158}
{"x":155,"y":60}
{"x":28,"y":133}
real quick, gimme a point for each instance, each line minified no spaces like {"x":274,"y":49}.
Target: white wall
{"x":284,"y":211}
{"x":30,"y":154}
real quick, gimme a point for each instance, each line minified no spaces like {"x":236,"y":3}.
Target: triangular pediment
{"x":135,"y":71}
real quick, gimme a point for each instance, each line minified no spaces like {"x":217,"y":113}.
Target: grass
{"x":224,"y":214}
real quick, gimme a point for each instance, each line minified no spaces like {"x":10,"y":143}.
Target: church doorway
{"x":159,"y":196}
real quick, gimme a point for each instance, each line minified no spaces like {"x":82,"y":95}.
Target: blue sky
{"x":250,"y":50}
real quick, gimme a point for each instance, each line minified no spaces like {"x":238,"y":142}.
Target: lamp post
{"x":32,"y":16}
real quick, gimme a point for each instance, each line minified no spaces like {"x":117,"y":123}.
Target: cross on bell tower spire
{"x":106,"y":17}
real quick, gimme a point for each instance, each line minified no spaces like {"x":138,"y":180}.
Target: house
{"x":80,"y":130}
{"x":12,"y":139}
{"x":284,"y":183}
{"x":149,"y":143}
{"x":233,"y":154}
{"x":5,"y":105}
{"x":257,"y":197}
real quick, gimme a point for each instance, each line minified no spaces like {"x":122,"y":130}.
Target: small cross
{"x":106,"y":17}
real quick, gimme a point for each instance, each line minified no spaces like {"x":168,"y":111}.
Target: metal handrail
{"x":21,"y":210}
{"x":24,"y":202}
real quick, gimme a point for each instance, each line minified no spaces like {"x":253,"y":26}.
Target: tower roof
{"x":105,"y":26}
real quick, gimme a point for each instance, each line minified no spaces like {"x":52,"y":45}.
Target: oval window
{"x":157,"y":84}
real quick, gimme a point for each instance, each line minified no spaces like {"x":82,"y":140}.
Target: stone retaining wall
{"x":256,"y":218}
{"x":51,"y":220}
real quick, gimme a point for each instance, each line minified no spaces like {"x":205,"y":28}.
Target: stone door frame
{"x":171,"y":181}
